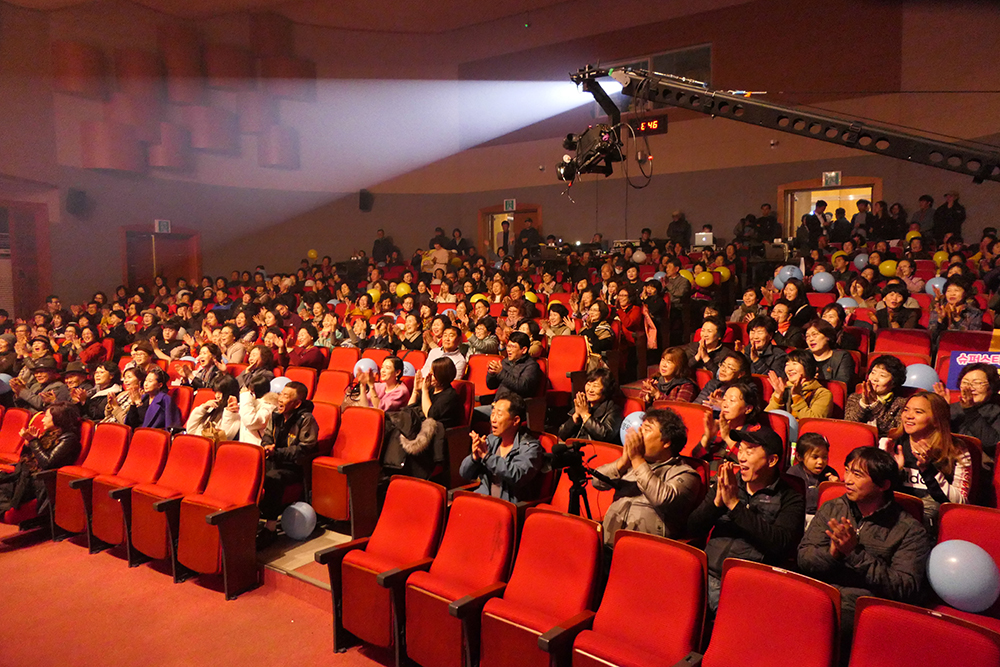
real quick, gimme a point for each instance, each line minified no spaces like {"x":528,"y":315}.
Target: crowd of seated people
{"x":748,"y":353}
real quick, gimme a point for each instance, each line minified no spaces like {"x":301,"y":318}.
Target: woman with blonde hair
{"x":934,"y":466}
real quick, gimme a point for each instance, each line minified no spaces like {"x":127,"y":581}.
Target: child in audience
{"x":812,"y":455}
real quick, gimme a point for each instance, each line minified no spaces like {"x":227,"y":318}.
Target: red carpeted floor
{"x":60,"y":606}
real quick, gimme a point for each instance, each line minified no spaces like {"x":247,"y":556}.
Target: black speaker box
{"x":76,"y":202}
{"x":365,"y":201}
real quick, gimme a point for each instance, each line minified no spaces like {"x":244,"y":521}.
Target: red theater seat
{"x":305,"y":375}
{"x":843,"y":436}
{"x":332,"y":386}
{"x":11,"y":442}
{"x":74,"y":484}
{"x":343,"y":359}
{"x":567,"y":358}
{"x":981,"y":526}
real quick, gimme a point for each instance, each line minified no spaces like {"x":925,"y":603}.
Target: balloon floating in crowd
{"x":912,"y":235}
{"x":839,"y":253}
{"x":704,"y":279}
{"x":778,"y":283}
{"x":402,"y":289}
{"x":789,"y":271}
{"x":724,"y":273}
{"x":847,"y":302}
{"x":940,"y":257}
{"x":823,"y":282}
{"x":408,"y":370}
{"x":5,"y":383}
{"x":687,"y":274}
{"x":936,"y":281}
{"x":632,"y":421}
{"x":189,"y":358}
{"x":964,"y":575}
{"x":365,"y":366}
{"x":659,"y":275}
{"x":861,"y":261}
{"x":312,"y":254}
{"x":531,"y":296}
{"x":449,"y":312}
{"x":639,"y":257}
{"x":278,"y":383}
{"x":333,"y":302}
{"x":478,"y":297}
{"x":921,"y":376}
{"x":298,"y":520}
{"x":887,"y":268}
{"x":375,"y":294}
{"x":456,"y":262}
{"x":793,"y":424}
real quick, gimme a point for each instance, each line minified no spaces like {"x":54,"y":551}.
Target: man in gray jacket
{"x":655,"y":489}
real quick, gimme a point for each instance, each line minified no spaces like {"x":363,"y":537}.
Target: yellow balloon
{"x":402,"y":289}
{"x":704,"y":279}
{"x":456,"y":262}
{"x":687,"y":274}
{"x":312,"y":254}
{"x":375,"y":295}
{"x":940,"y":257}
{"x":888,"y":268}
{"x":477,"y":297}
{"x":913,"y":235}
{"x":724,"y":273}
{"x":531,"y":296}
{"x":839,"y":253}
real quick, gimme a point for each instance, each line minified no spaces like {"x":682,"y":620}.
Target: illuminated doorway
{"x":799,"y":198}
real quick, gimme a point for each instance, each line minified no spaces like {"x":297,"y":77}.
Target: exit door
{"x":173,"y":256}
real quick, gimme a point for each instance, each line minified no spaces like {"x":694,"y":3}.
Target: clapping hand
{"x":635,"y":448}
{"x":418,"y":381}
{"x":479,"y":447}
{"x":581,"y":409}
{"x":726,"y":488}
{"x":868,"y":395}
{"x":777,"y":382}
{"x":494,"y":366}
{"x":714,"y":399}
{"x":843,"y":537}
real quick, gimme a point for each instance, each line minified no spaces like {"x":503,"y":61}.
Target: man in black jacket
{"x":752,"y":512}
{"x":519,"y":372}
{"x":864,"y":542}
{"x":763,"y":354}
{"x":289,"y":442}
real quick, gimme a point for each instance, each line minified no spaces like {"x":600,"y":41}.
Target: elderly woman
{"x":57,"y":445}
{"x":156,"y":409}
{"x":952,"y":310}
{"x":483,"y":339}
{"x":93,"y":403}
{"x":905,"y":272}
{"x":877,"y":402}
{"x":894,"y":314}
{"x":595,"y":415}
{"x":673,"y":379}
{"x":832,"y":365}
{"x":977,"y":413}
{"x":800,"y":394}
{"x":207,"y":365}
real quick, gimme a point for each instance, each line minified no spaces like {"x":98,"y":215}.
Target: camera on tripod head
{"x":568,"y":455}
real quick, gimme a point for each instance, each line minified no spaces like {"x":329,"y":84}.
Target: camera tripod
{"x":578,"y":490}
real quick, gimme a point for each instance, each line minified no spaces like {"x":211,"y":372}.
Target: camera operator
{"x":655,"y":489}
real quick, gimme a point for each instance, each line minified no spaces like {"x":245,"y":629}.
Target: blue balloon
{"x":365,"y":365}
{"x":632,"y":421}
{"x":408,"y":370}
{"x":964,"y":575}
{"x":793,"y":425}
{"x":823,"y":282}
{"x":449,"y":311}
{"x":778,"y":283}
{"x":847,"y":302}
{"x":789,"y":271}
{"x":861,"y":261}
{"x":659,"y":275}
{"x":189,"y":358}
{"x":332,"y":302}
{"x":278,"y":383}
{"x":921,"y":376}
{"x":5,"y":383}
{"x":936,"y":281}
{"x":298,"y":521}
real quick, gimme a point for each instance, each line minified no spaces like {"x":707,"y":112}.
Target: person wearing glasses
{"x":831,"y":365}
{"x":977,"y":413}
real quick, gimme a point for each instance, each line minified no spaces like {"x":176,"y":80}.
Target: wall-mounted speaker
{"x":76,"y":202}
{"x":365,"y":201}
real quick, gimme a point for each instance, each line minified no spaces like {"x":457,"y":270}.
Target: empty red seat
{"x":671,"y":598}
{"x":476,"y":370}
{"x":843,"y":436}
{"x":367,"y":575}
{"x":74,"y":484}
{"x":416,"y":357}
{"x":343,"y":359}
{"x":153,"y":514}
{"x":11,"y":441}
{"x":981,"y":526}
{"x":147,"y":454}
{"x":183,"y":398}
{"x":217,"y":527}
{"x":343,"y":483}
{"x":332,"y":385}
{"x":597,"y":453}
{"x":893,"y":634}
{"x":913,"y":341}
{"x":567,"y":357}
{"x":473,"y":560}
{"x":554,"y":581}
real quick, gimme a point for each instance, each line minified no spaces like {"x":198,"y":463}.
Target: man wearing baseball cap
{"x":751,"y":511}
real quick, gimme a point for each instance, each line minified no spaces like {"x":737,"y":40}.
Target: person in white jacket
{"x":221,"y":412}
{"x":257,"y":402}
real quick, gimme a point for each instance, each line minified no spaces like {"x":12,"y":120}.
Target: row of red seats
{"x":446,"y":588}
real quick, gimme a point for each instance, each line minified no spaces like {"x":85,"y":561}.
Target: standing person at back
{"x":948,"y":217}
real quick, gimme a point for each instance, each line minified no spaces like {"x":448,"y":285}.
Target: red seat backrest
{"x":979,"y":525}
{"x":147,"y":454}
{"x":820,"y":299}
{"x":409,"y":527}
{"x":806,"y":614}
{"x":467,"y":393}
{"x":476,"y":373}
{"x":235,"y":369}
{"x":599,"y":501}
{"x":360,"y":435}
{"x":188,"y":464}
{"x":839,"y":391}
{"x":693,"y":416}
{"x":327,"y":418}
{"x":416,"y":357}
{"x":183,"y":397}
{"x":557,"y":564}
{"x":124,"y":361}
{"x":378,"y":356}
{"x":305,"y":375}
{"x":961,"y":341}
{"x":107,"y":449}
{"x":568,"y":354}
{"x":86,"y":437}
{"x":343,"y":359}
{"x":779,"y":424}
{"x":202,"y":396}
{"x":914,"y":341}
{"x":173,"y":368}
{"x":14,"y":420}
{"x":331,"y":386}
{"x":843,"y":436}
{"x":237,"y":475}
{"x":672,"y":595}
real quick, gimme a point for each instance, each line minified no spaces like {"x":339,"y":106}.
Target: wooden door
{"x":29,"y":254}
{"x":487,"y":233}
{"x":139,"y":259}
{"x":175,"y":255}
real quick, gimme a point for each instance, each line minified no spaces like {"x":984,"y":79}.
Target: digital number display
{"x":646,"y":127}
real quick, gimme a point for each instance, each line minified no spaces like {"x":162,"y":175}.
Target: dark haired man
{"x":751,"y":511}
{"x":450,"y":339}
{"x":763,"y":354}
{"x":864,"y":542}
{"x":289,"y":442}
{"x":655,"y":489}
{"x":519,"y":372}
{"x":509,"y":458}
